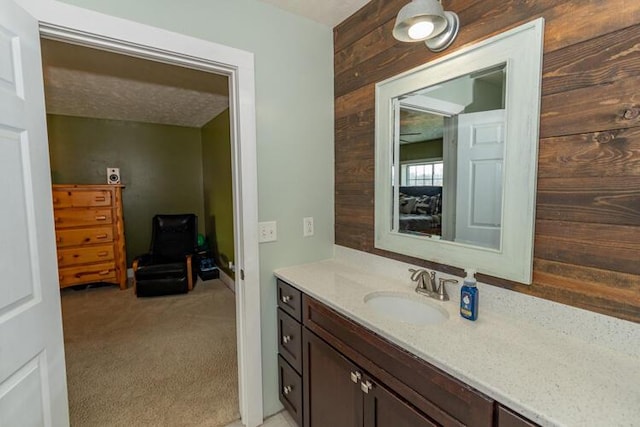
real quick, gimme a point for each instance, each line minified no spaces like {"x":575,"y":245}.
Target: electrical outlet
{"x":307,"y":226}
{"x":267,"y":232}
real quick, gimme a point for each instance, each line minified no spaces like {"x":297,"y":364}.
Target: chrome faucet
{"x":426,"y":284}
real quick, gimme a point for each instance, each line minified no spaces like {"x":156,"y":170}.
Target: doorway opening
{"x":167,"y":130}
{"x":140,"y":41}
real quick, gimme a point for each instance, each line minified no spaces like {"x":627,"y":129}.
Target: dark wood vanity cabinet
{"x":335,"y":372}
{"x":338,"y":392}
{"x":290,"y":349}
{"x":507,"y":418}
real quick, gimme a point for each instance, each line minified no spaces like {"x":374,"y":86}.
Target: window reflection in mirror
{"x":450,"y":155}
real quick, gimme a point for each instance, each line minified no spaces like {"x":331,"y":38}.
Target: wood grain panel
{"x":378,"y":38}
{"x":382,"y":56}
{"x":355,"y":126}
{"x":604,"y":200}
{"x":368,"y":18}
{"x":593,"y":62}
{"x":596,"y":154}
{"x":588,"y":200}
{"x":572,"y":21}
{"x":603,"y":246}
{"x":591,"y":109}
{"x":355,"y":102}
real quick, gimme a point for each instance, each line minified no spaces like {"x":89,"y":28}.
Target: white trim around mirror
{"x":521,"y":50}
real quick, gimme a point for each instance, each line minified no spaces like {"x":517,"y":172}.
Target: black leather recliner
{"x":168,"y":268}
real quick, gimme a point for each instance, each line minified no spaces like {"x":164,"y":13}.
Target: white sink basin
{"x":406,"y":308}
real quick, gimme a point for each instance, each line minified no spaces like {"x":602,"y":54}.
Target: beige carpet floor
{"x":163,"y":361}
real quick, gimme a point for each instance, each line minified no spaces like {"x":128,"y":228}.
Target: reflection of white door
{"x":33,"y":389}
{"x":479,"y":195}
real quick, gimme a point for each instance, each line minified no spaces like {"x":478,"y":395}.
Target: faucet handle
{"x":415,"y":274}
{"x":442,"y":290}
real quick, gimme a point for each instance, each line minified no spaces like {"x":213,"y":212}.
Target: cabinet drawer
{"x":81,"y":198}
{"x":84,"y":255}
{"x":103,"y":272}
{"x":83,"y":236}
{"x":290,"y":300}
{"x":508,"y":418}
{"x":290,"y":383}
{"x":290,"y":340}
{"x":81,"y":217}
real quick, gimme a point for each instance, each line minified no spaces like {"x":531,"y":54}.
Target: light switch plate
{"x":267,"y":232}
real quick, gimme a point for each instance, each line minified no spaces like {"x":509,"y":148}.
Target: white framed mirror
{"x":456,"y":156}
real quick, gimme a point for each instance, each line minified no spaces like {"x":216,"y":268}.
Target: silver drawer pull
{"x":287,"y":389}
{"x":356,"y":376}
{"x":286,"y":298}
{"x":286,"y":338}
{"x":366,"y":386}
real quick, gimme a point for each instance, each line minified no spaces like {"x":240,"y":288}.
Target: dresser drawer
{"x":84,"y":255}
{"x":83,"y":236}
{"x":290,"y":300}
{"x":103,"y":272}
{"x":81,"y":198}
{"x":290,"y":340}
{"x":290,"y":383}
{"x":81,"y":217}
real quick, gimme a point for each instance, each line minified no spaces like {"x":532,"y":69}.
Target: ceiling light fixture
{"x":426,"y":20}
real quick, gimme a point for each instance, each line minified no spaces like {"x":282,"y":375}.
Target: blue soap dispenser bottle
{"x":469,"y":296}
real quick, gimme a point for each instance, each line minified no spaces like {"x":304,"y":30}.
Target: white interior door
{"x":33,"y":390}
{"x":480,"y":165}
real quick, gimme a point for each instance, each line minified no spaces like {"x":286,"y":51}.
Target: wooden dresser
{"x":90,"y":234}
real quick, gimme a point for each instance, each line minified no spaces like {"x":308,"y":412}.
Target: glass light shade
{"x":419,"y":11}
{"x":421,"y":30}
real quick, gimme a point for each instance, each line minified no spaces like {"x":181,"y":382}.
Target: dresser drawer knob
{"x":101,"y":217}
{"x":286,"y":338}
{"x":287,"y":389}
{"x":286,"y":298}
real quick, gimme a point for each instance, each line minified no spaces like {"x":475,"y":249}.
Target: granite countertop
{"x":552,"y":378}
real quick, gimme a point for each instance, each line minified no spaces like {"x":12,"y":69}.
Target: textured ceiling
{"x":85,"y":82}
{"x":327,"y":12}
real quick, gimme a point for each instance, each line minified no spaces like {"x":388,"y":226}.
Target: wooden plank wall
{"x":587,"y":241}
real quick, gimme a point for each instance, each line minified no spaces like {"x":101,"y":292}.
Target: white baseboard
{"x":228,"y":281}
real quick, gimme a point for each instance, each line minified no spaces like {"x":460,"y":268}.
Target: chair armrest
{"x":189,"y":272}
{"x":141,"y":260}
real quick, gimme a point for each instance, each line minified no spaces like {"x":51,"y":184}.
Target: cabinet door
{"x":332,"y":395}
{"x":382,"y":408}
{"x":508,"y":418}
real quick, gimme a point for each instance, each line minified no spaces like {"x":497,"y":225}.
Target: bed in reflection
{"x":420,"y":210}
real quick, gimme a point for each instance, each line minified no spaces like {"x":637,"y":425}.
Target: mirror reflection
{"x":449,"y":159}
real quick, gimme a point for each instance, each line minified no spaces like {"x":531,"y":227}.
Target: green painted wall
{"x":421,"y":150}
{"x":294,"y":125}
{"x":160,"y":165}
{"x":218,"y":191}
